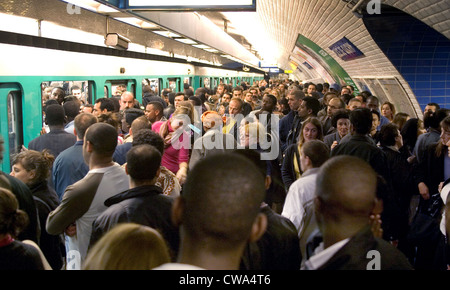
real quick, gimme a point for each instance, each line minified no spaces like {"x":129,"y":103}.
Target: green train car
{"x":26,"y":72}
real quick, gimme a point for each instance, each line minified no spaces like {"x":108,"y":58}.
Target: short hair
{"x":71,"y":109}
{"x":255,"y":157}
{"x":312,"y":104}
{"x":143,"y":162}
{"x":158,"y":106}
{"x":297,"y":93}
{"x":219,"y":212}
{"x":239,"y":100}
{"x":140,"y":123}
{"x":103,"y":138}
{"x":388,"y":133}
{"x":317,"y":151}
{"x":132,"y":114}
{"x":376,"y":112}
{"x":361,"y":120}
{"x":54,"y":115}
{"x":147,"y":136}
{"x":339,"y":196}
{"x":82,"y":122}
{"x":434,"y":120}
{"x":107,"y":104}
{"x":339,"y":114}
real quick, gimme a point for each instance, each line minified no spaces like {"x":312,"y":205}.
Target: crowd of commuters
{"x":274,"y":175}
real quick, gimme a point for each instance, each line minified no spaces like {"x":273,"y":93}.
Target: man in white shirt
{"x":298,"y":206}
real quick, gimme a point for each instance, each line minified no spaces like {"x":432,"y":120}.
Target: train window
{"x":206,"y":83}
{"x":15,"y":131}
{"x":155,"y":85}
{"x":175,"y":84}
{"x":83,"y":90}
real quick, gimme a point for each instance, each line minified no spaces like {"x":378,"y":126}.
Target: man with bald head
{"x":218,"y":218}
{"x":343,"y":213}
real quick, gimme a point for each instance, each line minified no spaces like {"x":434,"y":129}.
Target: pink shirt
{"x":172,"y":157}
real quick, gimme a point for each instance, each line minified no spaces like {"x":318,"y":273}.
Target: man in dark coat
{"x":144,"y":203}
{"x":343,"y":211}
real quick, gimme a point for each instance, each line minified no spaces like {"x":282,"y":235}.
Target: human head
{"x":58,"y":94}
{"x":309,"y":107}
{"x":400,"y":119}
{"x":54,"y":115}
{"x":334,"y":104}
{"x":109,"y":118}
{"x":82,"y":122}
{"x":221,"y":88}
{"x":147,"y":136}
{"x":76,"y":91}
{"x":12,"y":220}
{"x":376,"y":117}
{"x":269,"y":103}
{"x":179,"y":97}
{"x":311,"y":88}
{"x":216,"y":216}
{"x":390,"y":136}
{"x":238,"y":92}
{"x":345,"y":90}
{"x":341,"y":121}
{"x":103,"y":105}
{"x":445,"y":131}
{"x":100,"y":139}
{"x":354,"y":103}
{"x":388,"y":110}
{"x":128,"y":246}
{"x":71,"y":109}
{"x":32,"y":167}
{"x":373,"y":103}
{"x":88,"y":108}
{"x":132,"y":114}
{"x":313,"y":154}
{"x":431,"y":107}
{"x":143,"y":162}
{"x":226,"y":97}
{"x":295,"y":97}
{"x":235,"y":106}
{"x":154,"y":111}
{"x":251,"y":133}
{"x":211,"y":120}
{"x":126,"y":100}
{"x":311,"y":129}
{"x":340,"y":203}
{"x":411,"y":131}
{"x":361,"y":120}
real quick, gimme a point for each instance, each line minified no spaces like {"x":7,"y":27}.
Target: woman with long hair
{"x":291,"y":170}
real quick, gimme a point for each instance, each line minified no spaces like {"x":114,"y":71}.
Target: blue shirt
{"x":68,"y":168}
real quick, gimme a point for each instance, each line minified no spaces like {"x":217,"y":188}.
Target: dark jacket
{"x":277,"y":249}
{"x":52,"y":246}
{"x":145,"y":205}
{"x":288,"y":168}
{"x":363,"y":147}
{"x":355,"y":254}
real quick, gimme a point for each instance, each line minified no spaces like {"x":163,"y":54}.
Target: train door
{"x":11,"y":122}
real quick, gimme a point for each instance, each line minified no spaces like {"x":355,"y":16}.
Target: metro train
{"x":25,"y":72}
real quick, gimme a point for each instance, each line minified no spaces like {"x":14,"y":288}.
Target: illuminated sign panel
{"x":346,"y":50}
{"x":192,"y":5}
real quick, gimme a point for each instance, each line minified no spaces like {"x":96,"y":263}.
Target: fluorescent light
{"x":92,"y":6}
{"x":185,"y":40}
{"x":211,"y":49}
{"x":137,"y":22}
{"x":52,"y":30}
{"x":19,"y":24}
{"x":202,"y":46}
{"x":166,"y":33}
